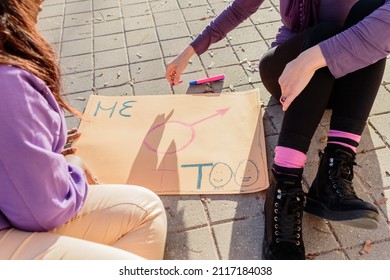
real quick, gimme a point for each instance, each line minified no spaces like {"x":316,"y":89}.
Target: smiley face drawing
{"x":220,"y":175}
{"x":246,"y":174}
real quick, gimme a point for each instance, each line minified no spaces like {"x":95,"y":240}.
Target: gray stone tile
{"x":113,"y":76}
{"x":76,"y":64}
{"x":122,"y":90}
{"x":169,"y":17}
{"x":219,"y":58}
{"x":382,"y":125}
{"x":79,"y":82}
{"x":334,"y":255}
{"x":78,"y":7}
{"x":76,"y":47}
{"x":108,"y":27}
{"x":107,"y":15}
{"x":148,"y":70}
{"x":76,"y":33}
{"x":140,"y":37}
{"x":251,"y":51}
{"x":78,"y":19}
{"x":110,"y":58}
{"x":109,"y":42}
{"x":381,"y":102}
{"x":52,"y":11}
{"x":78,"y":101}
{"x":154,"y":87}
{"x":140,"y":22}
{"x":379,"y":251}
{"x":184,"y":212}
{"x":172,"y":31}
{"x":268,"y":30}
{"x":105,"y":4}
{"x":174,"y":47}
{"x":197,"y":13}
{"x":317,"y":235}
{"x":228,"y":208}
{"x":138,"y":9}
{"x":265,"y":14}
{"x":162,"y":6}
{"x":370,"y":140}
{"x":144,"y":52}
{"x":244,"y":35}
{"x":374,"y":168}
{"x":49,"y":23}
{"x":240,"y":240}
{"x":52,"y":36}
{"x":194,"y":244}
{"x":234,"y":75}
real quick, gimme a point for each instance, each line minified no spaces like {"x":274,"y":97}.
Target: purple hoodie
{"x":39,"y":190}
{"x":359,"y":46}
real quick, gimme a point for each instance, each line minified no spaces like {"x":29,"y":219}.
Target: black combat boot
{"x":332,"y":196}
{"x":283,"y":219}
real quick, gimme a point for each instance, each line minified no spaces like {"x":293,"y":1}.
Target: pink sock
{"x":343,"y":138}
{"x":289,"y":158}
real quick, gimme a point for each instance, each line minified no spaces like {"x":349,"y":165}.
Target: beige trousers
{"x":116,"y":222}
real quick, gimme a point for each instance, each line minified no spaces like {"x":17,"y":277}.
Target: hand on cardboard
{"x":72,"y":136}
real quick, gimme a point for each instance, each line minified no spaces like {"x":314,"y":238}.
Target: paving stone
{"x":382,"y":125}
{"x":113,"y":76}
{"x":228,"y":208}
{"x":107,"y":14}
{"x":140,"y":22}
{"x":52,"y":11}
{"x":105,"y":4}
{"x":240,"y":240}
{"x":184,"y":212}
{"x":140,"y":37}
{"x":194,"y":244}
{"x":374,"y":168}
{"x":148,"y":70}
{"x":108,"y":28}
{"x":234,"y":75}
{"x":49,"y":23}
{"x":172,"y":31}
{"x":154,"y":87}
{"x":78,"y":7}
{"x":138,"y":9}
{"x":219,"y":58}
{"x":76,"y":33}
{"x":79,"y":82}
{"x":169,"y":17}
{"x":110,"y":58}
{"x":76,"y":47}
{"x":250,"y":51}
{"x":109,"y":42}
{"x":163,"y":6}
{"x":52,"y":36}
{"x":174,"y":47}
{"x":244,"y":35}
{"x":78,"y":19}
{"x":268,"y":30}
{"x":379,"y":251}
{"x":197,"y":13}
{"x":265,"y":14}
{"x":334,"y":255}
{"x":76,"y":64}
{"x":122,"y":90}
{"x":381,"y":102}
{"x":144,"y":52}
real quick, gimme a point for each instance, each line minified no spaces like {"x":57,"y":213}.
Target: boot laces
{"x":341,"y":175}
{"x":288,"y":209}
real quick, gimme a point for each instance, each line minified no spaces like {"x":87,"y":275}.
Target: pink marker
{"x":207,"y":80}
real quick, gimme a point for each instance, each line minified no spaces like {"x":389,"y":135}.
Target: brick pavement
{"x":121,"y":47}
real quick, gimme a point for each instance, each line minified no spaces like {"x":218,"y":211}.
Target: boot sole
{"x":356,"y":218}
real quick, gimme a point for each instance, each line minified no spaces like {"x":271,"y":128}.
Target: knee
{"x":322,"y":31}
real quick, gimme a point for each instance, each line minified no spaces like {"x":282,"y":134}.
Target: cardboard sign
{"x":177,"y":144}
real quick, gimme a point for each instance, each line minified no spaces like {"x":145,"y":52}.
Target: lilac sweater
{"x":39,"y":190}
{"x":359,"y":46}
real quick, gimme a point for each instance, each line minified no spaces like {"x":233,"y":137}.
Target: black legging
{"x":350,"y":97}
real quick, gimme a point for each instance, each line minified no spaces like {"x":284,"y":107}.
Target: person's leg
{"x":21,"y":245}
{"x":333,"y":197}
{"x":284,"y":200}
{"x":127,"y":217}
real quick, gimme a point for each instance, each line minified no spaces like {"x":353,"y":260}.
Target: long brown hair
{"x":22,"y":45}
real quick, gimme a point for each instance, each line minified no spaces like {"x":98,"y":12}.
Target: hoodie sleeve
{"x":360,"y":45}
{"x":229,"y":19}
{"x":39,"y":189}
